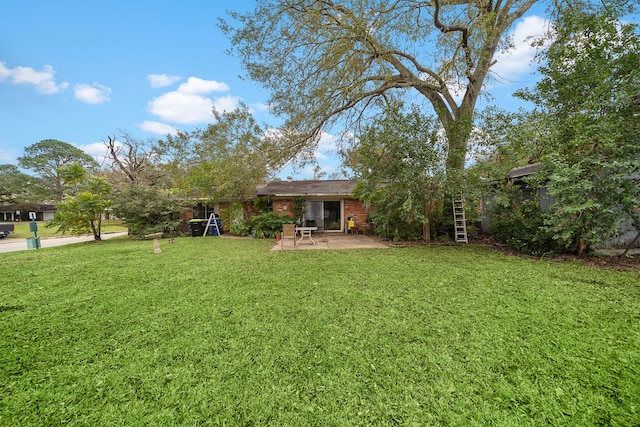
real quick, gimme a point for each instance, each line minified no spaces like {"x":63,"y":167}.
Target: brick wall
{"x":352,"y":208}
{"x":355,"y":209}
{"x":283,"y":207}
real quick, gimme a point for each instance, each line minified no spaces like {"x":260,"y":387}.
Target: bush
{"x":267,"y":225}
{"x":234,"y":220}
{"x":389,"y":225}
{"x":521,"y":227}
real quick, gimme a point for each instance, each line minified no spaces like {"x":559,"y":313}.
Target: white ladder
{"x":215,"y":225}
{"x":459,"y":221}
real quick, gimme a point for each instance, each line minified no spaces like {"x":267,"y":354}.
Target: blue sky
{"x":78,"y":71}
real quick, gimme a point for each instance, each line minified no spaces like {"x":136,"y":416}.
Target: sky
{"x":79,"y":71}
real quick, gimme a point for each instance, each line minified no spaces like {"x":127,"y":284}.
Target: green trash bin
{"x":33,"y":242}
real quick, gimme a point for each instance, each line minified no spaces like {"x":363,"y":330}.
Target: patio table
{"x":306,"y":231}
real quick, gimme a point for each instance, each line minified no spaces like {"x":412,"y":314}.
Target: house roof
{"x":40,"y":207}
{"x":523,"y":171}
{"x":342,"y":187}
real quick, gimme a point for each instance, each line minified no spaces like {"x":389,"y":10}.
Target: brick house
{"x":328,"y":203}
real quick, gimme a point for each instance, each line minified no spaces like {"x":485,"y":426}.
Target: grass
{"x":22,"y":229}
{"x":216,"y":331}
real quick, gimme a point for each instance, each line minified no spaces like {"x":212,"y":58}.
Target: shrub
{"x":521,"y":227}
{"x":268,"y":224}
{"x":389,"y":224}
{"x":234,"y":221}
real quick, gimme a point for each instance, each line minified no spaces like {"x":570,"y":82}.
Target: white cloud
{"x":198,"y":86}
{"x":162,"y":80}
{"x":157,"y":127}
{"x":188,"y":105}
{"x":92,"y":94}
{"x":327,"y":142}
{"x":516,"y":61}
{"x":43,"y":81}
{"x":6,"y":157}
{"x":176,"y":107}
{"x":97,"y":150}
{"x":260,"y":106}
{"x":226,"y":103}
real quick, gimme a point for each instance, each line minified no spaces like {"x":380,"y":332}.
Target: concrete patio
{"x":329,"y":241}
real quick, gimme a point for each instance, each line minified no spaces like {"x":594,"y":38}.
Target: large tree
{"x":47,"y":156}
{"x":328,"y":61}
{"x":226,"y":160}
{"x":133,"y":161}
{"x":397,"y":160}
{"x":16,"y":186}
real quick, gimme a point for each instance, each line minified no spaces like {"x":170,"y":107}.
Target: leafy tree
{"x":591,"y":155}
{"x":47,"y":156}
{"x":72,"y":174}
{"x":16,"y":187}
{"x":325,"y":62}
{"x":145,"y":209}
{"x":398,"y":163}
{"x":226,"y":160}
{"x":82,"y":213}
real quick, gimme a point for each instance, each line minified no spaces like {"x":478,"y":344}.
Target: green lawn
{"x":217,"y":331}
{"x":22,"y":230}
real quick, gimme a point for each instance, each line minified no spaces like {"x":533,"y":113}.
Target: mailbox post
{"x":33,"y":242}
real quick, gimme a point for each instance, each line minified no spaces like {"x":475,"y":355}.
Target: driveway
{"x":14,"y":244}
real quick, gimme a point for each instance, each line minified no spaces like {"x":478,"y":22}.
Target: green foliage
{"x":299,"y":206}
{"x":262,"y":204}
{"x":520,"y":225}
{"x":145,"y":210}
{"x":224,"y":161}
{"x":47,"y":156}
{"x":17,"y":187}
{"x":72,"y":174}
{"x":226,"y":332}
{"x":337,"y":62}
{"x":82,"y":213}
{"x":268,"y":224}
{"x":398,"y":163}
{"x":590,"y":157}
{"x":235,"y":221}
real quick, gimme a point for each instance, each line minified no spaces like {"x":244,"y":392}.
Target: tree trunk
{"x":630,"y":245}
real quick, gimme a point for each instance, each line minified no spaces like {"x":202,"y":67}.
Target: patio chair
{"x":288,"y":232}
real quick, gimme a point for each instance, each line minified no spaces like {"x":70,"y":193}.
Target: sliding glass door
{"x":332,"y":215}
{"x":326,"y":214}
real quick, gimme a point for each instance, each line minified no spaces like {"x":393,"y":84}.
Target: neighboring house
{"x":20,"y":211}
{"x":328,"y":204}
{"x":518,"y":176}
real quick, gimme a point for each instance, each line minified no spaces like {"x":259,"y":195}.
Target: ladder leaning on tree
{"x":459,"y":220}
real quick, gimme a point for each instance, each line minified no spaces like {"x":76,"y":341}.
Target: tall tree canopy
{"x":16,"y":187}
{"x":326,"y":61}
{"x":47,"y":156}
{"x":398,"y":163}
{"x":227,"y":159}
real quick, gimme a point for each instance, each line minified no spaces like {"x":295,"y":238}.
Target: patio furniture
{"x":288,"y":232}
{"x":306,"y":232}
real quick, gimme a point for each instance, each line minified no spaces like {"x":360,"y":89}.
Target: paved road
{"x":14,"y":244}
